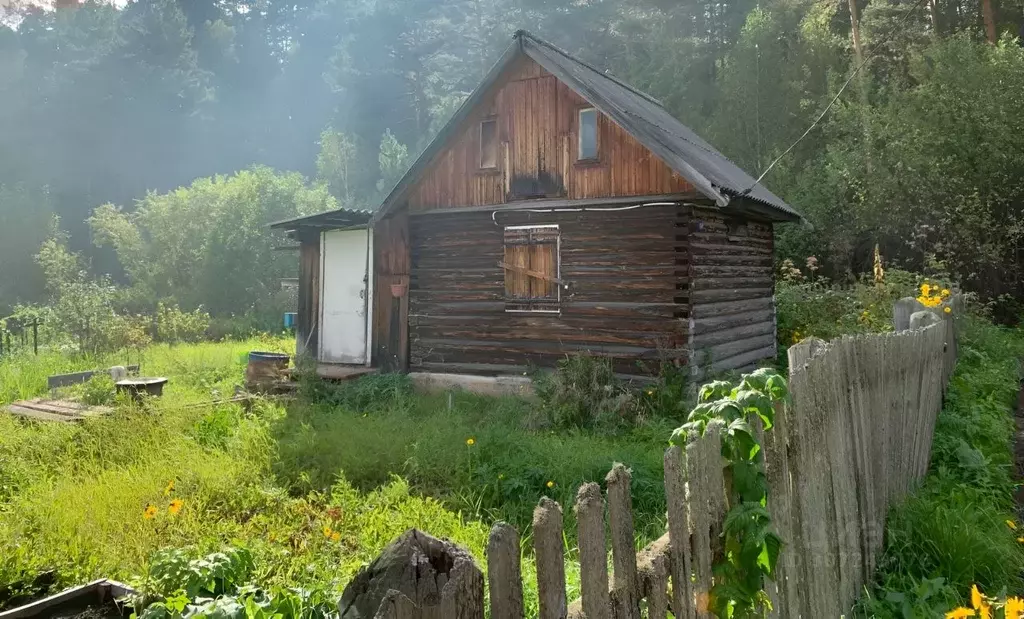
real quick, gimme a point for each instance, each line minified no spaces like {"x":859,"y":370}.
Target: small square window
{"x":532,"y":265}
{"x":489,"y":143}
{"x":736,"y":228}
{"x":588,"y":134}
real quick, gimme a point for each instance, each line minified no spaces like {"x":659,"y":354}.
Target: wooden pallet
{"x":56,"y":410}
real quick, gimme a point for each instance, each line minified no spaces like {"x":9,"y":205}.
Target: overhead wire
{"x":835,"y":99}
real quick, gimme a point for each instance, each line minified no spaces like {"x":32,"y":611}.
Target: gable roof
{"x":636,"y":112}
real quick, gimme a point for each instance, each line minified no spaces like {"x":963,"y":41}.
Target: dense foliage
{"x":103,"y":102}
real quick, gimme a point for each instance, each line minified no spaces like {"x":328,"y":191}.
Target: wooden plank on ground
{"x":56,"y":410}
{"x":31,"y":413}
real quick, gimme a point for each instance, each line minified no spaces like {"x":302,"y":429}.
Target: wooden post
{"x":550,"y":558}
{"x":504,"y":575}
{"x":653,"y":565}
{"x":679,"y":533}
{"x":625,"y":585}
{"x":593,"y":552}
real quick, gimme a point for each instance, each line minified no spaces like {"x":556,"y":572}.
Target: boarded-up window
{"x":588,"y":134}
{"x":532,"y":269}
{"x":489,"y":144}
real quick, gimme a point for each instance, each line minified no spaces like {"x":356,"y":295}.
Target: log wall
{"x":626,"y":277}
{"x":732,"y":309}
{"x":537,"y":119}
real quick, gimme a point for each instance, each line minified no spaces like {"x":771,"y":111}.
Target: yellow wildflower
{"x":650,"y":392}
{"x":550,"y":484}
{"x":945,"y":292}
{"x":175,"y":506}
{"x":335,"y":536}
{"x":1012,"y":525}
{"x":1020,"y":540}
{"x":149,"y":512}
{"x":169,"y":488}
{"x":327,"y":532}
{"x":948,"y":310}
{"x":979,"y":604}
{"x":1014,"y":608}
{"x":471,"y":441}
{"x":960,"y":613}
{"x":925,"y":289}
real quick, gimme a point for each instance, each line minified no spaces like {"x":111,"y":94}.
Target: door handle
{"x":362,"y":293}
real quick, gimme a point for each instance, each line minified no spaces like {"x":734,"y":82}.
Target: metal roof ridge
{"x":525,"y":34}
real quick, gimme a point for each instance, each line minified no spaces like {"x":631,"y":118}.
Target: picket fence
{"x":855,"y":437}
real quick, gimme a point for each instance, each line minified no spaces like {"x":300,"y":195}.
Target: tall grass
{"x":368,"y":460}
{"x":426,"y":439}
{"x":952,"y":532}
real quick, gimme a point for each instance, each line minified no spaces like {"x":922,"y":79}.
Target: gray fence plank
{"x":504,"y":573}
{"x":550,"y":559}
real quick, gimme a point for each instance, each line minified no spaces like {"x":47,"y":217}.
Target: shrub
{"x":583,"y":392}
{"x":97,"y":391}
{"x":173,"y":325}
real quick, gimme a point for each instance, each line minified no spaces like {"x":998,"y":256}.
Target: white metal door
{"x":343,"y":303}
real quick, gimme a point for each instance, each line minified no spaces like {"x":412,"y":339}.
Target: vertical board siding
{"x":307,"y":327}
{"x":732,"y":309}
{"x":537,"y":126}
{"x":390,"y":313}
{"x":621,"y":300}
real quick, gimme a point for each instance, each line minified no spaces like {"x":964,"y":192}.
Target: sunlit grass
{"x":73,"y":497}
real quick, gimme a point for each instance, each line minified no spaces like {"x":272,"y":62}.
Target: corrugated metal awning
{"x":341,"y":218}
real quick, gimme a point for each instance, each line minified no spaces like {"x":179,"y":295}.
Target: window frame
{"x":493,"y":120}
{"x":557,"y":300}
{"x":579,"y":135}
{"x":736,"y":229}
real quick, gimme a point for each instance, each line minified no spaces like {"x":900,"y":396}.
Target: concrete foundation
{"x":484,"y":385}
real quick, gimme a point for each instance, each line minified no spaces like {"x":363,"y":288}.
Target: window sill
{"x":488,"y":172}
{"x":588,"y":163}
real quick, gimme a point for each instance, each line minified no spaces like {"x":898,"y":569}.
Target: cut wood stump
{"x":416,"y":577}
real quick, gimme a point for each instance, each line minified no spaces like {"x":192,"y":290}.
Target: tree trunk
{"x":933,"y":7}
{"x":989,"y":16}
{"x":862,"y":85}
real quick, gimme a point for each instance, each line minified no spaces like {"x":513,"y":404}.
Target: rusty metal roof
{"x":341,"y":218}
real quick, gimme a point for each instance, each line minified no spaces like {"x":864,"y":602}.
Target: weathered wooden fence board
{"x":854,"y":437}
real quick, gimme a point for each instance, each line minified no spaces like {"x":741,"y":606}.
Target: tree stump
{"x":416,"y":577}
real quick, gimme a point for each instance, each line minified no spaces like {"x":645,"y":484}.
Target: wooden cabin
{"x":560,"y":211}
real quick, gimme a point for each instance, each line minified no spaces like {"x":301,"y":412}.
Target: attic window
{"x":489,"y":144}
{"x":587,"y":134}
{"x":532,"y":265}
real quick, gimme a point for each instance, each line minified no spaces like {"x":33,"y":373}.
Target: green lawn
{"x":365,"y":460}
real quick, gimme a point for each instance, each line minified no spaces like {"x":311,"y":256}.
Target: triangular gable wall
{"x":536,"y":118}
